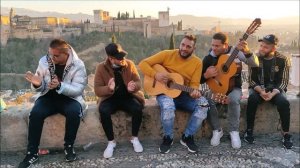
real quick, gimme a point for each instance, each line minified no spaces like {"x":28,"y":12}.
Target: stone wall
{"x":14,"y":123}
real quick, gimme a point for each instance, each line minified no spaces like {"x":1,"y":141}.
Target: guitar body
{"x":175,"y":86}
{"x":153,"y":87}
{"x":221,"y":83}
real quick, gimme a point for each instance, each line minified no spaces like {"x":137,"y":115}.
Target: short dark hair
{"x":59,"y":44}
{"x":191,"y":37}
{"x":221,"y":36}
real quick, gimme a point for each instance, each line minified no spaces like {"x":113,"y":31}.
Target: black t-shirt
{"x":59,"y":71}
{"x":120,"y":87}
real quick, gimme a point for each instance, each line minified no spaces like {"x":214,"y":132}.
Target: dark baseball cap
{"x":270,"y":39}
{"x":116,"y":51}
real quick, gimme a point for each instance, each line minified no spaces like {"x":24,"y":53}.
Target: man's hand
{"x":111,"y":84}
{"x":210,"y":72}
{"x":36,"y":80}
{"x":162,"y":77}
{"x":271,"y":95}
{"x":264,"y":95}
{"x":243,"y":46}
{"x":54,"y":83}
{"x":195,"y":94}
{"x":131,"y":86}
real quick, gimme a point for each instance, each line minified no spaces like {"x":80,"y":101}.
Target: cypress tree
{"x":172,"y":42}
{"x":113,"y":38}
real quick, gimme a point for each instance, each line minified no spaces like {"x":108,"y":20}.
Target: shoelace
{"x":30,"y":158}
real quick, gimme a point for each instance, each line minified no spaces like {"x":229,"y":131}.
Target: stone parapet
{"x":14,"y":124}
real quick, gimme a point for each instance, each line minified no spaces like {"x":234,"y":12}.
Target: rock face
{"x":14,"y":124}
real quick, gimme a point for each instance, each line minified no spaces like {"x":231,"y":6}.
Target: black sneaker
{"x":29,"y":160}
{"x":248,"y":137}
{"x":166,"y":145}
{"x":287,"y":142}
{"x":70,"y":153}
{"x":189,"y":143}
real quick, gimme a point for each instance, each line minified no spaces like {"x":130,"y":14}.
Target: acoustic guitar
{"x":175,"y":86}
{"x":225,"y":67}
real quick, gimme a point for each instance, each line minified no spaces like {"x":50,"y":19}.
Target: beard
{"x":116,"y":66}
{"x":266,"y":55}
{"x":184,"y":56}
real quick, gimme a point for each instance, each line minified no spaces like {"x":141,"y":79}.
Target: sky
{"x":269,"y":9}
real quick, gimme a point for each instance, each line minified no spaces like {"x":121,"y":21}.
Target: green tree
{"x":172,"y":42}
{"x":119,"y":15}
{"x":127,"y":15}
{"x":133,"y":14}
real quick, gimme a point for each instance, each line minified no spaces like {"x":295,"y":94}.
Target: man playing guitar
{"x":220,"y":46}
{"x":189,"y":66}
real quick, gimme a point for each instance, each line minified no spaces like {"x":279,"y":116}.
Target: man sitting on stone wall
{"x":269,"y":82}
{"x":60,"y":78}
{"x":118,"y":85}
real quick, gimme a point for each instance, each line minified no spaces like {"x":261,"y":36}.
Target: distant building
{"x":146,"y":25}
{"x":5,"y":20}
{"x":100,"y":16}
{"x":17,"y":26}
{"x":5,"y":29}
{"x":163,"y":17}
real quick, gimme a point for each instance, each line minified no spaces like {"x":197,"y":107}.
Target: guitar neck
{"x":235,"y":52}
{"x":182,"y":87}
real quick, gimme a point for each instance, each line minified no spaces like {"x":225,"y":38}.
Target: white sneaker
{"x":235,"y":139}
{"x":137,"y":146}
{"x":217,"y":135}
{"x":109,"y":151}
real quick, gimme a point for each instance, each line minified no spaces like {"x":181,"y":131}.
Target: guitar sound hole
{"x":169,"y":83}
{"x":224,"y":68}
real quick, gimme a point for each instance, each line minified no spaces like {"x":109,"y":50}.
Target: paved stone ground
{"x":266,"y":152}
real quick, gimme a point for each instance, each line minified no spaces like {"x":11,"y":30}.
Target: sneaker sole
{"x":31,"y":164}
{"x":166,"y":151}
{"x":71,"y":160}
{"x":285,"y":146}
{"x":248,"y":141}
{"x":184,"y":144}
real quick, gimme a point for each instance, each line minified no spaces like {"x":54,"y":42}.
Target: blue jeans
{"x":184,"y":102}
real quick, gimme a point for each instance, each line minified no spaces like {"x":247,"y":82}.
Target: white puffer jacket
{"x":74,"y":80}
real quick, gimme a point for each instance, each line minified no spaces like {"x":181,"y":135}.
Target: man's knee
{"x":73,"y":110}
{"x":253,"y":98}
{"x":168,"y":115}
{"x":104,"y":112}
{"x":136,"y":109}
{"x":37,"y":114}
{"x":201,"y":113}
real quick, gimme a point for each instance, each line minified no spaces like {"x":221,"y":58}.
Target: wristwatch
{"x":58,"y":86}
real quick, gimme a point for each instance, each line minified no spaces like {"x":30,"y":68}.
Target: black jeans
{"x":283,"y":107}
{"x":111,"y":105}
{"x":49,"y":105}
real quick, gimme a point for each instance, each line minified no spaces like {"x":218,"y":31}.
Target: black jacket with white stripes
{"x":277,"y":78}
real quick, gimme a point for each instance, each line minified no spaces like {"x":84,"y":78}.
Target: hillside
{"x":77,"y":17}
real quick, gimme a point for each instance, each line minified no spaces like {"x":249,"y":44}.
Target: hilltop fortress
{"x":16,"y":26}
